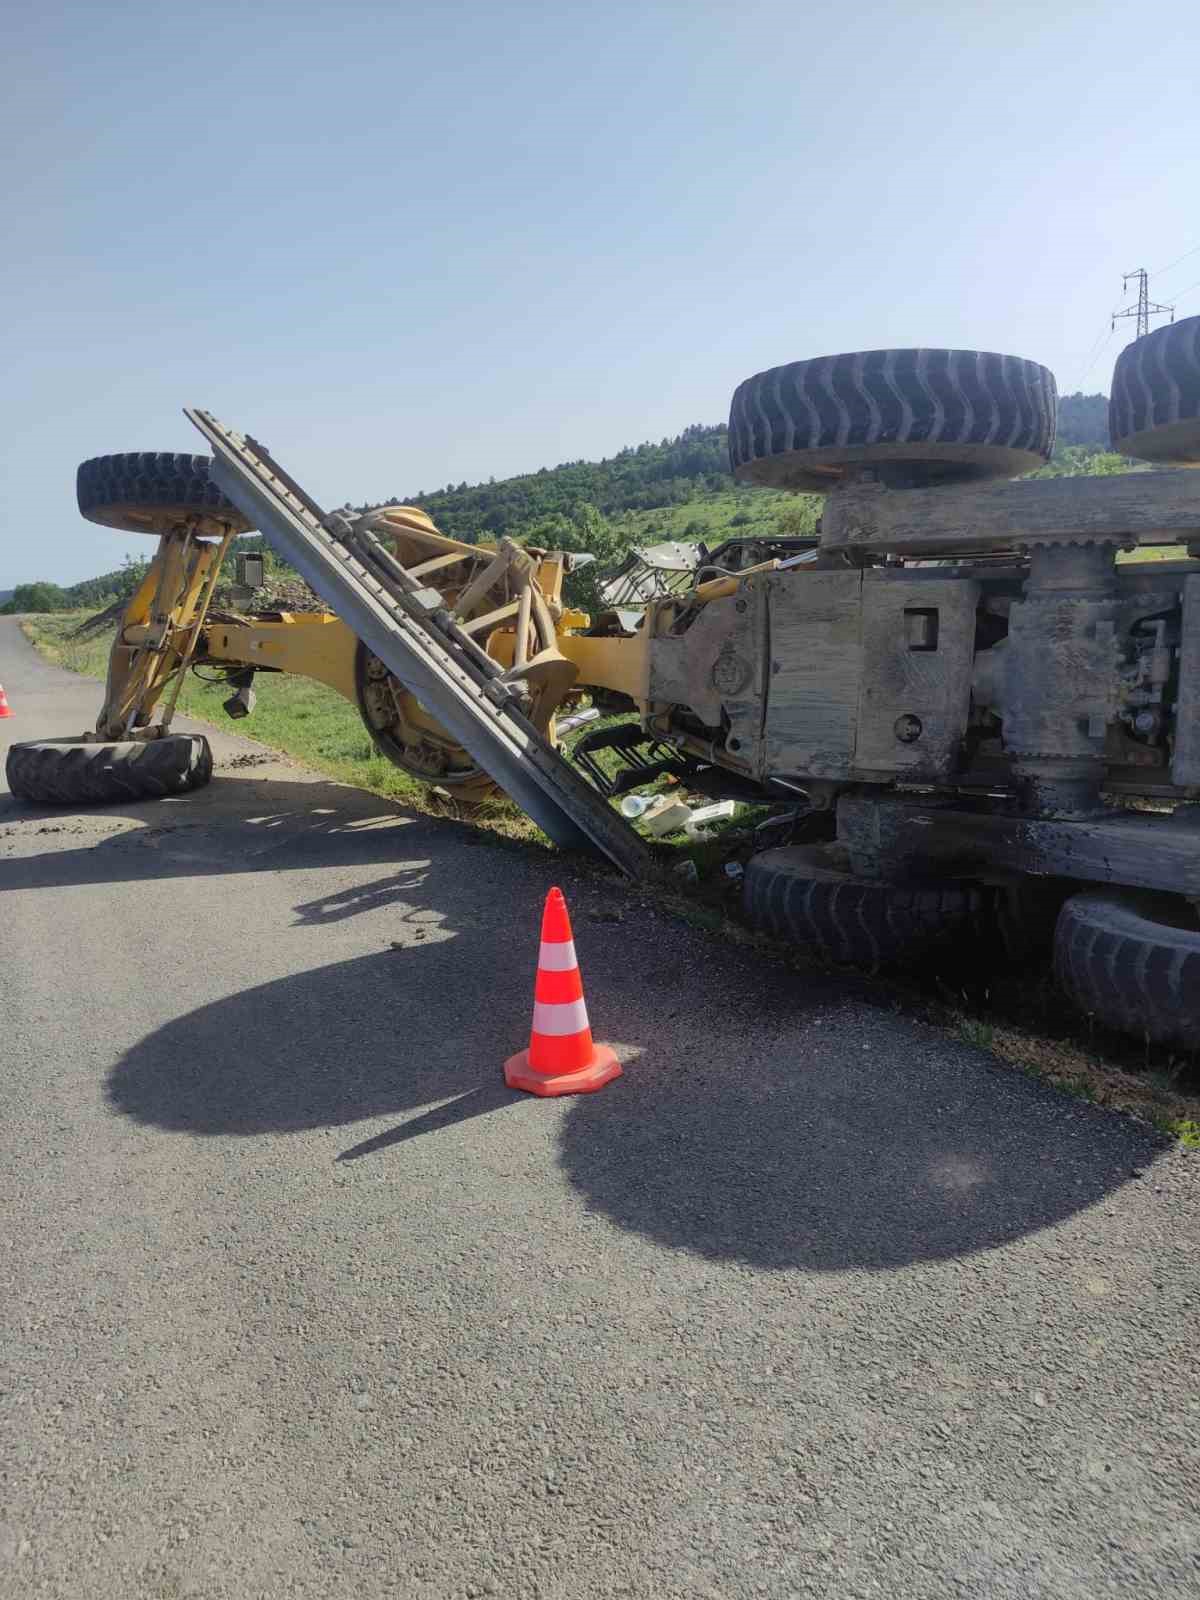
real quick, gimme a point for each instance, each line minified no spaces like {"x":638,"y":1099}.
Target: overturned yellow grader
{"x":979,"y":714}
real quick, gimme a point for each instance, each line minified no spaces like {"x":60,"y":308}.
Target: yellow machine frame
{"x":500,"y":592}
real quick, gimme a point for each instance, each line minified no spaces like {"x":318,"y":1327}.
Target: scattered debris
{"x":277,"y":594}
{"x":668,"y":818}
{"x":634,"y":805}
{"x":652,"y":570}
{"x":252,"y":758}
{"x":696,"y":826}
{"x":577,"y":719}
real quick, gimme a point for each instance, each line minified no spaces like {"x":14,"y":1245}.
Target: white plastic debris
{"x":577,"y":720}
{"x":672,"y":816}
{"x":703,"y":815}
{"x":633,"y":805}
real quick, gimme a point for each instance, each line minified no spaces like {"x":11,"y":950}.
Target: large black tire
{"x":1133,"y":963}
{"x":919,"y":416}
{"x":71,"y":772}
{"x":152,"y":491}
{"x":1026,"y":917}
{"x":799,"y":893}
{"x":1154,"y":411}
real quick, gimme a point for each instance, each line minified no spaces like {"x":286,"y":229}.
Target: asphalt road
{"x":300,"y":1301}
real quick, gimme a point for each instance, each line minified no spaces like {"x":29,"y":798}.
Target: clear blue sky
{"x":410,"y":244}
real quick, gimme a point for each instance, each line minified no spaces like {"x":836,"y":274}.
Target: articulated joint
{"x":1062,"y":685}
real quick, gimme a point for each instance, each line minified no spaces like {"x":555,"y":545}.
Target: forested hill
{"x":641,"y":477}
{"x":681,"y":488}
{"x":1083,"y":420}
{"x":652,"y":477}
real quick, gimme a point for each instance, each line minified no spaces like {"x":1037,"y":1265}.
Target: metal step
{"x":642,"y":757}
{"x":407,"y":628}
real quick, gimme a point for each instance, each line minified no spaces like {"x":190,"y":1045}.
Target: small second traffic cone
{"x":5,"y":708}
{"x":561,"y":1058}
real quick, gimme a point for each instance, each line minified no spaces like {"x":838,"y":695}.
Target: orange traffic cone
{"x":5,"y":708}
{"x":561,"y":1058}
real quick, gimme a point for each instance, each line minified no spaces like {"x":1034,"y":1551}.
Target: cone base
{"x":601,"y":1069}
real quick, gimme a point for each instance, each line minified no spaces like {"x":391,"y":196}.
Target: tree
{"x":798,"y":519}
{"x":38,"y":597}
{"x":109,"y":586}
{"x":1083,"y":419}
{"x":587,"y":533}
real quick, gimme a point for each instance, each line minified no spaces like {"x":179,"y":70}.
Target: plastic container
{"x":633,"y":805}
{"x":672,"y":816}
{"x":695,"y":826}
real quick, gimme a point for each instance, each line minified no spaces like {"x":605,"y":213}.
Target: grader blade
{"x":432,"y":655}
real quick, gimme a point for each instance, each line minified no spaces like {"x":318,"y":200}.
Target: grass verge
{"x":1158,"y":1094}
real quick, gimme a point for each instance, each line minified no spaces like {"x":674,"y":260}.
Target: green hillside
{"x":680,"y":488}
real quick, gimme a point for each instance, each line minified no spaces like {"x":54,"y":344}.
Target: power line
{"x":1188,"y":290}
{"x":1097,"y":353}
{"x":1101,"y":338}
{"x":1089,"y":360}
{"x":1158,"y":271}
{"x":1145,"y":307}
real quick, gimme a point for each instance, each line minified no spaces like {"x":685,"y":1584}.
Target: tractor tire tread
{"x":884,"y":398}
{"x":153,"y":479}
{"x":1155,"y":388}
{"x":1123,"y":963}
{"x":75,"y":773}
{"x":793,"y":894}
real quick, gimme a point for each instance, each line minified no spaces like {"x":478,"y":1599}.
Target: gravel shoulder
{"x":301,"y":1301}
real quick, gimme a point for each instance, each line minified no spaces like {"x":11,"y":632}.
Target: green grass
{"x":1153,"y":552}
{"x":974,"y":1031}
{"x":761,"y":507}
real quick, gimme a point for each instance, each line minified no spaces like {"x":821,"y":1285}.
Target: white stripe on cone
{"x":559,"y":957}
{"x":556,"y":1020}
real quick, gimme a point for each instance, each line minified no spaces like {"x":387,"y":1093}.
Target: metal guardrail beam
{"x":442,"y":671}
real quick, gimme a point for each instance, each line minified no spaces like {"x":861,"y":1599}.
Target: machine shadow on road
{"x":768,"y":1119}
{"x":234,"y":825}
{"x":847,"y":1162}
{"x":360,"y":1039}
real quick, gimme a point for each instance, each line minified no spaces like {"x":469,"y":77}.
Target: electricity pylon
{"x":1145,"y":307}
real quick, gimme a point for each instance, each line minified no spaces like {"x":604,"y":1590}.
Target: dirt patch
{"x":252,"y":758}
